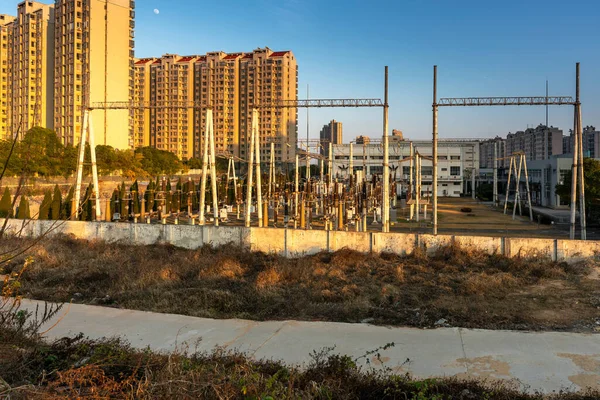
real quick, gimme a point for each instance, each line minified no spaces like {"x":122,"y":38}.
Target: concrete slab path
{"x":547,"y":361}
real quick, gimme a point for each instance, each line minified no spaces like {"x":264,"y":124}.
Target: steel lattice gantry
{"x":519,"y":101}
{"x":307,"y":103}
{"x":506,"y":101}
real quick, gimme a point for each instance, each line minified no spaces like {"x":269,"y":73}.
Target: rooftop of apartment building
{"x":219,"y":54}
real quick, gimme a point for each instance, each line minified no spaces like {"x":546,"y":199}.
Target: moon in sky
{"x":156,"y":11}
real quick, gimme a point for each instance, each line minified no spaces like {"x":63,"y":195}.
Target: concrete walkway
{"x":536,"y":361}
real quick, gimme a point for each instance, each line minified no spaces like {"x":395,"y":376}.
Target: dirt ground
{"x":452,"y":288}
{"x":482,"y":220}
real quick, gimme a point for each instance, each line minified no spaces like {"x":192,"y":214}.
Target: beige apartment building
{"x":231,"y":84}
{"x":140,"y":132}
{"x":330,"y":133}
{"x":29,"y":68}
{"x":93,"y":63}
{"x":266,"y":77}
{"x":5,"y":32}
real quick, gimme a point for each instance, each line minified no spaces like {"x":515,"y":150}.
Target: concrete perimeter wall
{"x":296,"y":242}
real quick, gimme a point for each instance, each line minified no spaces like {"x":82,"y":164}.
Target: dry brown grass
{"x":110,"y":369}
{"x":468,"y":289}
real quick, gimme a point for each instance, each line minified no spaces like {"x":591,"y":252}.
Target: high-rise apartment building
{"x":591,"y":142}
{"x":5,"y":103}
{"x":172,"y":82}
{"x":231,"y":84}
{"x":140,"y":133}
{"x":331,"y":133}
{"x":268,"y":76}
{"x":93,"y":63}
{"x":537,"y":143}
{"x":30,"y":67}
{"x":486,"y":153}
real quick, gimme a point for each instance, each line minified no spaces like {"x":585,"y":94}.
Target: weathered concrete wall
{"x":296,"y":242}
{"x":528,"y":247}
{"x":396,"y":243}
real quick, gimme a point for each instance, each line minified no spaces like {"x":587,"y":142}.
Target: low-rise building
{"x":458,"y":160}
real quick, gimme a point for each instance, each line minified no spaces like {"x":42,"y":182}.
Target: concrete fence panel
{"x":297,"y":242}
{"x":396,"y":243}
{"x":357,"y":241}
{"x":529,"y":247}
{"x":305,"y":242}
{"x":432,"y":243}
{"x":577,"y":250}
{"x":268,"y":240}
{"x":490,"y":245}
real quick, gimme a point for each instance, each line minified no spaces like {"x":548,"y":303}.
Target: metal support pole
{"x":258,"y":174}
{"x":296,"y":187}
{"x":418,"y":183}
{"x":96,"y":187}
{"x":202,"y":206}
{"x":351,"y":165}
{"x":574,"y":177}
{"x":508,"y":184}
{"x":265,"y":214}
{"x":250,"y":170}
{"x":517,"y":196}
{"x":434,"y":154}
{"x":272,"y":172}
{"x":411,"y":187}
{"x":473,"y":183}
{"x":495,"y":174}
{"x":580,"y":175}
{"x":527,"y":187}
{"x":83,"y":139}
{"x":213,"y":166}
{"x":385,"y":212}
{"x":330,"y":160}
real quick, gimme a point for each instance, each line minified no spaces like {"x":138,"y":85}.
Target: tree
{"x":23,"y":208}
{"x":156,"y":162}
{"x":55,"y":208}
{"x":66,"y":209}
{"x":43,"y":152}
{"x":45,"y":206}
{"x":591,"y":178}
{"x":6,"y":210}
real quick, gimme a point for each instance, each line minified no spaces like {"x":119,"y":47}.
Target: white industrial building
{"x":457,"y":159}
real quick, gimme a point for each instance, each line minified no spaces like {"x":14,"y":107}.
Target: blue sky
{"x":482,"y":48}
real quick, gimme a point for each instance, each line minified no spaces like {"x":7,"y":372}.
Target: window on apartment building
{"x":455,"y":171}
{"x":444,"y":169}
{"x":455,"y":157}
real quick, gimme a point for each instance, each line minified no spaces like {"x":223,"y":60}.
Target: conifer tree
{"x":67,"y":206}
{"x":122,"y":201}
{"x":6,"y":205}
{"x":23,"y":208}
{"x":56,"y":204}
{"x":45,"y":206}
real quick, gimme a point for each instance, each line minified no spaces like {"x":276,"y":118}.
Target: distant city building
{"x":537,"y":143}
{"x":486,"y":152}
{"x":397,"y":136}
{"x":232,"y":84}
{"x":458,"y":159}
{"x":591,"y":142}
{"x":331,"y":133}
{"x":28,"y":67}
{"x":362,"y":140}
